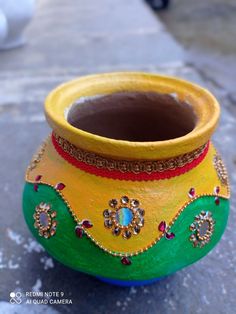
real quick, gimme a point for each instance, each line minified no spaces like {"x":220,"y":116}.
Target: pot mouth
{"x":165,"y":116}
{"x":133,"y":116}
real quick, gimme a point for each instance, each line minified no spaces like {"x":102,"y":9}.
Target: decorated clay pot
{"x":128,"y":187}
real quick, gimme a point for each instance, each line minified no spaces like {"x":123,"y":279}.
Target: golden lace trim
{"x":123,"y":166}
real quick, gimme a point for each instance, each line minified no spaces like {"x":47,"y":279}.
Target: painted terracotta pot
{"x":128,"y":186}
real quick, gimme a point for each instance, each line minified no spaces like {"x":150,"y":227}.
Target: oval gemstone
{"x":169,"y":235}
{"x":38,"y":177}
{"x":60,"y":186}
{"x":116,"y":231}
{"x":217,"y":189}
{"x":136,"y":229}
{"x":106,"y":213}
{"x":217,"y":201}
{"x":108,"y":223}
{"x":124,"y":216}
{"x":124,"y":200}
{"x":127,"y":234}
{"x":191,"y":192}
{"x":135,"y":203}
{"x":43,"y":219}
{"x":87,"y":224}
{"x":125,"y":261}
{"x":162,"y":226}
{"x":79,"y":231}
{"x":113,"y":203}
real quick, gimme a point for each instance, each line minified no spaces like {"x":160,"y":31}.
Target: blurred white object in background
{"x":14,"y":16}
{"x":3,"y":27}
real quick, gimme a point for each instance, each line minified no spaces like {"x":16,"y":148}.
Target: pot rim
{"x":203,"y":103}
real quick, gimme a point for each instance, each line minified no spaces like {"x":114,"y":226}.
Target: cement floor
{"x":65,"y":41}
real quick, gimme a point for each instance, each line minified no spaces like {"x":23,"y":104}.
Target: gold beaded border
{"x":124,"y":166}
{"x":122,"y":254}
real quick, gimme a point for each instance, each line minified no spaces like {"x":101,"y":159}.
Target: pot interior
{"x":133,"y":116}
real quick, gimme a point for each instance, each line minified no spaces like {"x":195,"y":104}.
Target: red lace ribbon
{"x":115,"y":174}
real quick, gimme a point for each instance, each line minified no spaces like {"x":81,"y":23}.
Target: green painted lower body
{"x":164,"y":258}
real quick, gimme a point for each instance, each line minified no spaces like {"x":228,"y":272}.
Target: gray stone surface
{"x":208,"y":37}
{"x":85,"y":36}
{"x":66,"y":40}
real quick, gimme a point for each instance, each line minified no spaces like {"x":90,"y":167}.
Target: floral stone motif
{"x":163,"y":227}
{"x":124,"y":217}
{"x":220,"y":169}
{"x":44,"y":220}
{"x":79,"y":228}
{"x":202,"y":227}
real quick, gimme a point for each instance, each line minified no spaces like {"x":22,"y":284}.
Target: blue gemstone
{"x":124,"y":216}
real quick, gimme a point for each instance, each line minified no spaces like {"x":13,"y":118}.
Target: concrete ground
{"x":65,"y":41}
{"x":207,"y":31}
